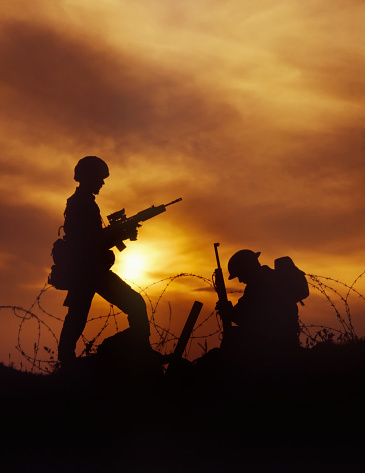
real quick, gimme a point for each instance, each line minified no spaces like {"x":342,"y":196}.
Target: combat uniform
{"x":89,"y":245}
{"x":267,"y":320}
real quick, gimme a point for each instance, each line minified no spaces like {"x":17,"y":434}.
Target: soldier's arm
{"x":225,"y":309}
{"x":234,"y":313}
{"x":112,"y":235}
{"x":240,"y":311}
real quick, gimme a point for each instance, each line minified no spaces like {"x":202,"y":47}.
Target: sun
{"x":131,"y":264}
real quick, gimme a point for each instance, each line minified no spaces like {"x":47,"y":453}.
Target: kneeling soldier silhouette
{"x":266,"y":322}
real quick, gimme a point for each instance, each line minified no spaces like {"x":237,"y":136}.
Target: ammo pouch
{"x":61,"y":271}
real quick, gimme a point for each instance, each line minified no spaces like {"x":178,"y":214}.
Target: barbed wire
{"x":316,"y":283}
{"x":165,"y":338}
{"x":315,"y":333}
{"x":41,"y":362}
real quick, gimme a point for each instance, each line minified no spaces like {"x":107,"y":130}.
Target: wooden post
{"x":188,"y":328}
{"x":185,"y":334}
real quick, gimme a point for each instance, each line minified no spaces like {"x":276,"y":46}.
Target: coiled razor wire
{"x":313,"y":333}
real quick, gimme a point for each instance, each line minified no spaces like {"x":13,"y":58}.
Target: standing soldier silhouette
{"x":266,"y":315}
{"x":89,"y":244}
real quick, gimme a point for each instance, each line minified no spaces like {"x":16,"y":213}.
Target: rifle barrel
{"x":173,"y":202}
{"x":216,"y":255}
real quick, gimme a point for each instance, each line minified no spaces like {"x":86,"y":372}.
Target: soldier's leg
{"x":79,"y":303}
{"x":117,"y":292}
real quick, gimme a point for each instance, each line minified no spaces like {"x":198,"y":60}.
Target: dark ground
{"x":306,"y":416}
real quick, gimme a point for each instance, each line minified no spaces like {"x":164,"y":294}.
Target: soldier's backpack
{"x":61,"y":271}
{"x":64,"y":272}
{"x":292,"y":278}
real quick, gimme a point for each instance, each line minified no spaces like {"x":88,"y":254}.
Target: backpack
{"x":293,"y":280}
{"x":65,"y":272}
{"x":61,"y":270}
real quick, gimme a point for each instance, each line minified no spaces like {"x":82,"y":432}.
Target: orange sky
{"x":252,"y":112}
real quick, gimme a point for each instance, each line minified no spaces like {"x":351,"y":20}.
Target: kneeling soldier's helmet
{"x":243,"y":260}
{"x":91,"y":167}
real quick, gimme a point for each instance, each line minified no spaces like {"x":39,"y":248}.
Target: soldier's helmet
{"x":243,"y":260}
{"x":91,"y":167}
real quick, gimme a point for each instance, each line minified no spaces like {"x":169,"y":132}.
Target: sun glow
{"x":152,"y":258}
{"x":131,"y":264}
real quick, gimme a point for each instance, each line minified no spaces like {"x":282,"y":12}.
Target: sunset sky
{"x":251,"y":111}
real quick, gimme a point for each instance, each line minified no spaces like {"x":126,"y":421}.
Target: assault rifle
{"x":220,"y":288}
{"x":123,"y":223}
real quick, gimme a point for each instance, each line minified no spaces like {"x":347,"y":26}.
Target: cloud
{"x":163,"y":130}
{"x":85,"y":92}
{"x":252,"y":113}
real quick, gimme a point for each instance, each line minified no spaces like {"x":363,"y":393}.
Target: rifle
{"x":220,"y":288}
{"x":122,"y":222}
